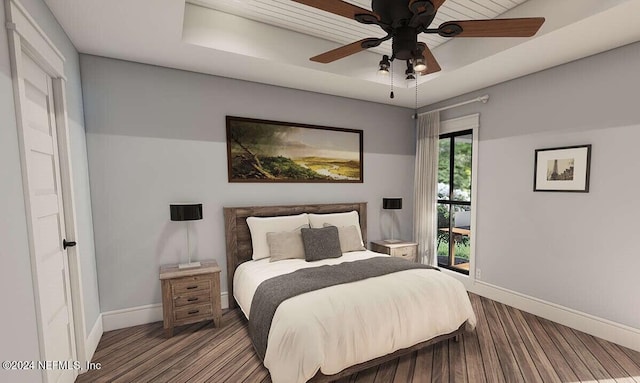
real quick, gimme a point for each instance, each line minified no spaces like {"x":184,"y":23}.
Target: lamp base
{"x":393,"y":240}
{"x":189,"y":265}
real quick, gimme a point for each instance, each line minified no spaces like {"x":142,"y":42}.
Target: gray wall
{"x":576,"y":250}
{"x":157,"y":135}
{"x":18,"y":329}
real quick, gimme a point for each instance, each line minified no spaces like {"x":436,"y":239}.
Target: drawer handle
{"x":192,"y":299}
{"x":405,"y":254}
{"x":192,"y":287}
{"x":193,"y":312}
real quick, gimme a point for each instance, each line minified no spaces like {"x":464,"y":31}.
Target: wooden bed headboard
{"x":238,"y":237}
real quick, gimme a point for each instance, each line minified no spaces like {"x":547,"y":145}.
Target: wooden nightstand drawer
{"x":193,"y":312}
{"x":191,"y":285}
{"x":194,"y":298}
{"x":405,"y":250}
{"x":190,"y":295}
{"x":408,"y":252}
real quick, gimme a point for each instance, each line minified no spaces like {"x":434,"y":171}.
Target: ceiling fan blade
{"x":524,"y":27}
{"x":337,"y":7}
{"x":338,"y":53}
{"x":432,"y":63}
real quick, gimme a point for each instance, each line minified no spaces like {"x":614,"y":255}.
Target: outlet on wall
{"x":478,"y":274}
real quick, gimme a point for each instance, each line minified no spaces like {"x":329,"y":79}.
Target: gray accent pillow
{"x":285,"y":245}
{"x":349,"y":238}
{"x":321,"y":243}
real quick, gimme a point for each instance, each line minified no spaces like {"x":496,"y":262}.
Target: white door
{"x":51,"y":271}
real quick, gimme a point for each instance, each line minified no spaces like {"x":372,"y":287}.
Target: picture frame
{"x":275,"y":151}
{"x":562,"y":169}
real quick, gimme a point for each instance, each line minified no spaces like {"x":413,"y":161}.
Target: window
{"x":454,"y":200}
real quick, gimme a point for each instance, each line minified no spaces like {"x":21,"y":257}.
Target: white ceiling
{"x":261,"y":41}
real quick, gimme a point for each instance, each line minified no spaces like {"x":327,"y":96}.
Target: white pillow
{"x":260,"y":226}
{"x":349,"y":239}
{"x":338,"y":220}
{"x":286,"y":244}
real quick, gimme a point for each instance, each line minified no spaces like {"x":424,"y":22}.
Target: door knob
{"x":66,"y":244}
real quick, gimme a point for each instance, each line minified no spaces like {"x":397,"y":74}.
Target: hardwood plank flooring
{"x":508,"y":346}
{"x":488,"y":354}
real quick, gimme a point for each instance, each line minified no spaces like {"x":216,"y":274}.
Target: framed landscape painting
{"x":564,"y":169}
{"x":272,"y":151}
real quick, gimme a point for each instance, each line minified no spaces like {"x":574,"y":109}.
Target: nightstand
{"x":406,"y":250}
{"x":190,"y":295}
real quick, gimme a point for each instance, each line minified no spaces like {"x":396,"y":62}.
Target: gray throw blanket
{"x":276,"y":290}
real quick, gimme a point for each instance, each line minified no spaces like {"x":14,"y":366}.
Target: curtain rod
{"x":482,"y":99}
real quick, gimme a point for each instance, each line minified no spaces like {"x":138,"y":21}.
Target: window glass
{"x":462,"y":168}
{"x":444,"y":168}
{"x":442,"y":236}
{"x":454,"y":201}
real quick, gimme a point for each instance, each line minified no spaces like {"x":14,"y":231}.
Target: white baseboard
{"x":599,"y":327}
{"x":91,"y":343}
{"x":134,"y":316}
{"x":224,"y":300}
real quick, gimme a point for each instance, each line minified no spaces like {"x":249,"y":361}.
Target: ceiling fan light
{"x":419,"y":64}
{"x":410,"y":72}
{"x":384,"y":66}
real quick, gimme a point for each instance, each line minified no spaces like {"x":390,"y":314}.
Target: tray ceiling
{"x":271,"y":41}
{"x":304,"y":19}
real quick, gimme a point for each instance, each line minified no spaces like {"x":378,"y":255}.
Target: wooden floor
{"x":508,"y":346}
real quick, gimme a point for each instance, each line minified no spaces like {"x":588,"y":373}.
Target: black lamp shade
{"x":392,"y":203}
{"x":186,"y":212}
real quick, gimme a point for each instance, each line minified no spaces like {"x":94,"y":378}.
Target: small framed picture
{"x":564,"y":169}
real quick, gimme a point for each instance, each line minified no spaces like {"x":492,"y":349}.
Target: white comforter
{"x":340,"y":326}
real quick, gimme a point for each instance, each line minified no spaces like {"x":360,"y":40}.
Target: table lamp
{"x":392,"y":204}
{"x":186,"y":212}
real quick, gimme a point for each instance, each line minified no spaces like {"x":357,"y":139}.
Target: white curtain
{"x":426,"y":187}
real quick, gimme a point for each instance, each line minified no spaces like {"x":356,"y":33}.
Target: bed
{"x":330,"y":333}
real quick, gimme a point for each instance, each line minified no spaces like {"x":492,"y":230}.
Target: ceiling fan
{"x":404,"y":20}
